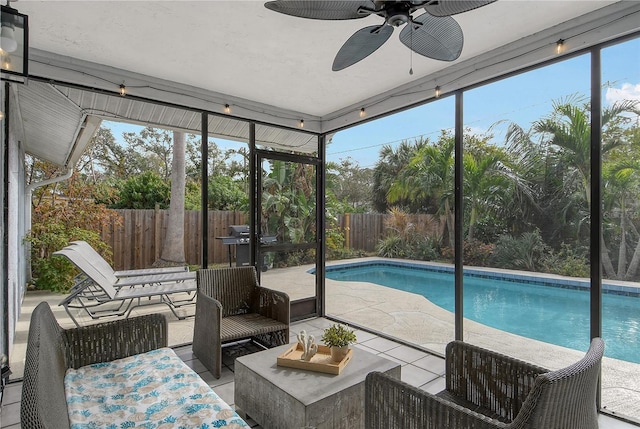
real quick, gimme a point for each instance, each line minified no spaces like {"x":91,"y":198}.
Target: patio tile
{"x":406,"y":354}
{"x":416,"y":376}
{"x":226,"y":392}
{"x":195,"y":365}
{"x":363,"y":347}
{"x":391,"y":358}
{"x":226,"y":376}
{"x":12,"y":393}
{"x":431,"y":363}
{"x":434,"y":386}
{"x":380,"y":344}
{"x":363,"y":336}
{"x":10,"y":414}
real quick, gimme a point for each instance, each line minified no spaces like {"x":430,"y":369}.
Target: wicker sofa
{"x":121,"y":370}
{"x":487,"y":390}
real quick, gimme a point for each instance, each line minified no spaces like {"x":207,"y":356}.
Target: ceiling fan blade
{"x":360,"y":45}
{"x":452,"y":7}
{"x":329,"y":10}
{"x":439,"y":38}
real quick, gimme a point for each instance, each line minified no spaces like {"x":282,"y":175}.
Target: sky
{"x":521,"y":99}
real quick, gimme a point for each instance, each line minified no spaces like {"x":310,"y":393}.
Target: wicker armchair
{"x":51,"y":350}
{"x":485,"y":389}
{"x":232,"y":306}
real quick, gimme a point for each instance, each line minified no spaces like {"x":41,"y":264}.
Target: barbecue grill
{"x":240,"y":237}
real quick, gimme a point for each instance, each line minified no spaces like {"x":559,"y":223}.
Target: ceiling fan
{"x":433,"y":34}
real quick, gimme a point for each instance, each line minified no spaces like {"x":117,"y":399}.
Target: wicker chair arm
{"x":489,"y":379}
{"x":208,"y":316}
{"x":108,"y":341}
{"x":207,"y":338}
{"x":391,"y":403}
{"x":273,"y":304}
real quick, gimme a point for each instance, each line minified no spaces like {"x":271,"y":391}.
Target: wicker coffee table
{"x":281,"y":398}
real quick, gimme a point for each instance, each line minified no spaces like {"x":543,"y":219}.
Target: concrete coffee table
{"x":280,"y":398}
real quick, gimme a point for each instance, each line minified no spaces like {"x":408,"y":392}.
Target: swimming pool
{"x":552,"y":311}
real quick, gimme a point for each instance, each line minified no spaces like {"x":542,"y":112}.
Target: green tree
{"x":143,"y":191}
{"x":225,"y":194}
{"x":61,"y":213}
{"x":155,"y":146}
{"x":390,"y":163}
{"x":427,"y":181}
{"x":350,"y":184}
{"x":568,"y":128}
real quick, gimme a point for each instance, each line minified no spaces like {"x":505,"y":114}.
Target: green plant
{"x":569,"y":261}
{"x":338,"y":335}
{"x":520,"y":253}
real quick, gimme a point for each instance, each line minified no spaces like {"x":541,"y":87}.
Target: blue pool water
{"x":556,"y":315}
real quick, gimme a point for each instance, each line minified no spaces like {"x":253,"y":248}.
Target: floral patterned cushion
{"x":151,"y":390}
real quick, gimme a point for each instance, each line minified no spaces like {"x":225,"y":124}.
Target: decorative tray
{"x":321,"y":362}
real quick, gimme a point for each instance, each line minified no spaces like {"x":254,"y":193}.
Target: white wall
{"x":14,"y":224}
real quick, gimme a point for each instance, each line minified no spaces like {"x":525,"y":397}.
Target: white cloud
{"x":627,"y":92}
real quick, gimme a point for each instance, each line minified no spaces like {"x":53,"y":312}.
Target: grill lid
{"x":239,"y":230}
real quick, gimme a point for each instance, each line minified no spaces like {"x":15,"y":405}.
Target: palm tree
{"x":569,"y":129}
{"x":429,"y":177}
{"x":386,"y":171}
{"x":173,"y":247}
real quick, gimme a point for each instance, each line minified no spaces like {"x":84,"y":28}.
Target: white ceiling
{"x":276,"y":68}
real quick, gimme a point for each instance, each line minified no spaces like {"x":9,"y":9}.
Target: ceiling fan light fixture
{"x":6,"y":61}
{"x":14,"y":42}
{"x":8,"y":41}
{"x":398,"y":20}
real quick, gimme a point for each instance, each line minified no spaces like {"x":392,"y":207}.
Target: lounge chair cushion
{"x":124,"y":393}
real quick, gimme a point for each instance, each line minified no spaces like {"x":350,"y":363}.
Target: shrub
{"x":54,"y":272}
{"x":63,"y":213}
{"x":406,"y":239}
{"x":567,"y":262}
{"x":392,"y":246}
{"x":522,"y":253}
{"x":474,"y":252}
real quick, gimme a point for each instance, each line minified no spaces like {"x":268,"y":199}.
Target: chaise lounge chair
{"x":102,"y":294}
{"x":487,"y":390}
{"x":99,"y":262}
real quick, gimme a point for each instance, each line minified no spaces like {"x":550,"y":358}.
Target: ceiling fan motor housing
{"x":397,"y":14}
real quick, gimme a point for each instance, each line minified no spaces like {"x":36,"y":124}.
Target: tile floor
{"x":418,"y":368}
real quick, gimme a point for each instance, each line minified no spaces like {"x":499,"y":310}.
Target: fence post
{"x":347,"y":230}
{"x":156,"y":231}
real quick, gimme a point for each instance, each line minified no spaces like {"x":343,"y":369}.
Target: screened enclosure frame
{"x":316,"y":306}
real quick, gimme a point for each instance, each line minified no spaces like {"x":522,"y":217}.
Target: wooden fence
{"x":137,"y":236}
{"x":365,"y":230}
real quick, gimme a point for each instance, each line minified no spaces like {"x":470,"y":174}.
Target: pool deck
{"x":415,"y":320}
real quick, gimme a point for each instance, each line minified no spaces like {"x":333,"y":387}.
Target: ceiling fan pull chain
{"x":411,"y":53}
